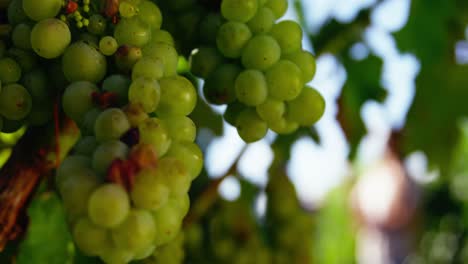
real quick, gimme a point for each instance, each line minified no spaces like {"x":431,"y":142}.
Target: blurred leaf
{"x":47,"y":240}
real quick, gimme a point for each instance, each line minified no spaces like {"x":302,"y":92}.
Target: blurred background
{"x":385,"y":171}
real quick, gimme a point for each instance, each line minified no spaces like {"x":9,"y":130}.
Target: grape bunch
{"x":125,"y":183}
{"x":257,"y":66}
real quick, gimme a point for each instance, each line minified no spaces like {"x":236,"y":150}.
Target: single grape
{"x":126,"y":56}
{"x":137,"y":232}
{"x":168,"y":221}
{"x":174,"y":175}
{"x":86,"y":146}
{"x":89,"y":120}
{"x":148,"y":68}
{"x":271,"y":110}
{"x":239,"y":10}
{"x":149,"y":191}
{"x":113,"y":254}
{"x":50,"y":37}
{"x":305,"y":61}
{"x":181,"y":128}
{"x":15,"y":102}
{"x":127,"y":9}
{"x":178,"y":96}
{"x":10,"y":71}
{"x":132,"y":31}
{"x":307,"y":108}
{"x":288,"y":33}
{"x":97,"y":24}
{"x":27,"y":60}
{"x":15,"y":12}
{"x":159,"y":35}
{"x":204,"y":61}
{"x":190,"y":154}
{"x":82,"y":62}
{"x":283,"y":126}
{"x":284,"y":80}
{"x":219,"y":87}
{"x":135,"y":114}
{"x":70,"y":165}
{"x":106,"y":153}
{"x":164,"y":52}
{"x":231,"y":38}
{"x":36,"y":82}
{"x":278,"y":7}
{"x":21,"y":36}
{"x":232,"y":111}
{"x":40,"y":10}
{"x":108,"y":45}
{"x":250,"y":126}
{"x":117,"y":84}
{"x":146,"y":93}
{"x":262,"y":22}
{"x":77,"y":99}
{"x":112,"y":123}
{"x":90,"y":238}
{"x":150,"y":14}
{"x":153,"y":131}
{"x":108,"y":205}
{"x":261,"y":52}
{"x":251,"y":87}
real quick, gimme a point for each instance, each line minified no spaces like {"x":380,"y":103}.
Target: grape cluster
{"x":258,"y":68}
{"x":125,"y":184}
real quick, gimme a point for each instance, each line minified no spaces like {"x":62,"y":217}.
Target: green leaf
{"x":47,"y":240}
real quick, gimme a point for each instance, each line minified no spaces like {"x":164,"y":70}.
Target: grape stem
{"x":210,"y":194}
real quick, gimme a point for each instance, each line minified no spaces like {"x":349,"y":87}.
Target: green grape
{"x":89,"y":120}
{"x":15,"y":102}
{"x":190,"y":154}
{"x":159,"y":35}
{"x":208,"y":28}
{"x":148,"y":68}
{"x":127,"y":9}
{"x":89,"y":39}
{"x":37,"y":85}
{"x":219,"y":87}
{"x":171,"y":253}
{"x":146,"y":93}
{"x":232,"y":111}
{"x":117,"y":84}
{"x":262,"y":22}
{"x":97,"y":24}
{"x":77,"y":99}
{"x":10,"y":71}
{"x":112,"y":123}
{"x":307,"y":108}
{"x":262,"y":2}
{"x":108,"y":45}
{"x":271,"y":110}
{"x":108,"y":205}
{"x":175,"y":176}
{"x":251,"y":87}
{"x":150,"y":14}
{"x":178,"y":96}
{"x":261,"y":52}
{"x":39,"y":10}
{"x":164,"y":52}
{"x":239,"y":10}
{"x":283,"y":126}
{"x":76,"y":190}
{"x":305,"y":61}
{"x":288,"y":33}
{"x":181,"y":128}
{"x":21,"y":36}
{"x":137,"y":232}
{"x":126,"y":56}
{"x":70,"y":165}
{"x":86,"y":146}
{"x":90,"y":238}
{"x":149,"y":191}
{"x":168,"y":223}
{"x":250,"y":126}
{"x":144,"y":253}
{"x":153,"y":131}
{"x":82,"y":62}
{"x":132,"y":31}
{"x":284,"y":80}
{"x":135,"y":114}
{"x":279,"y":7}
{"x":16,"y":13}
{"x":27,"y":60}
{"x":204,"y":61}
{"x":50,"y":37}
{"x":106,"y":153}
{"x":232,"y":37}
